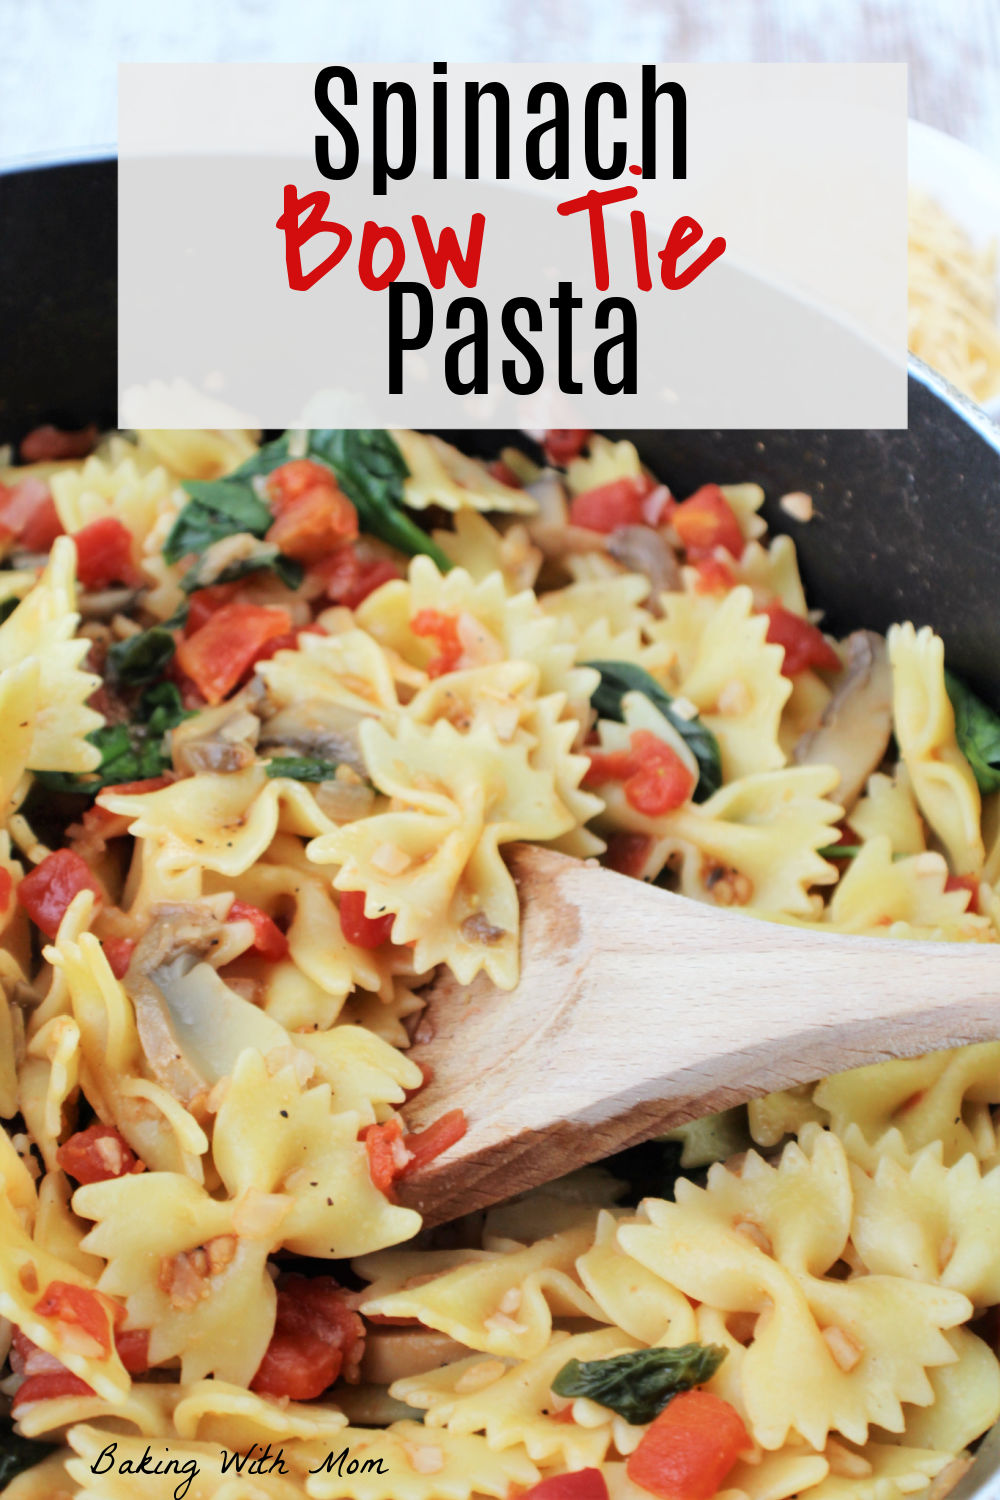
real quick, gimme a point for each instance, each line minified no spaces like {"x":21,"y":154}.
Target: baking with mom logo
{"x":249,"y":1465}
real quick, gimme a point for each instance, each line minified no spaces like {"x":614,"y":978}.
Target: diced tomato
{"x":662,"y":782}
{"x":92,"y":1314}
{"x":268,"y":939}
{"x":315,"y":525}
{"x":46,"y":892}
{"x":51,"y":444}
{"x":968,"y":883}
{"x":704,"y":521}
{"x":104,"y":554}
{"x":504,"y":473}
{"x":444,"y":629}
{"x":805,"y":645}
{"x":97,"y":1154}
{"x":561,"y":444}
{"x":628,"y":852}
{"x":584,"y":1484}
{"x":362,"y":931}
{"x":713,"y":576}
{"x":655,"y":779}
{"x":131,"y":788}
{"x":288,"y":642}
{"x":387,"y":1155}
{"x":348,"y":578}
{"x":219,"y":655}
{"x":686,"y":1453}
{"x":289,"y":482}
{"x":28,"y":513}
{"x":47,"y":1386}
{"x":611,"y":505}
{"x":312,"y":514}
{"x":425,"y":1145}
{"x":316,"y":1336}
{"x":6,"y":887}
{"x":132,"y":1345}
{"x":203,"y":603}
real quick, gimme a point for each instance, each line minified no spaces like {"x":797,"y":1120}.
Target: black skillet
{"x":907,"y":523}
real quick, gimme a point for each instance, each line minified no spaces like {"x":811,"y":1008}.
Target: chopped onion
{"x":344,"y":801}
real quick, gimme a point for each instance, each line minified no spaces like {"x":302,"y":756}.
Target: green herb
{"x":141,"y":658}
{"x":640,"y":1384}
{"x":370,"y":470}
{"x":217,"y":508}
{"x":18,"y":1453}
{"x":204,"y":574}
{"x":368,"y":467}
{"x":977,"y":729}
{"x":301,"y":768}
{"x":129,"y":752}
{"x":621,"y":677}
{"x":8,"y":607}
{"x":839,"y":851}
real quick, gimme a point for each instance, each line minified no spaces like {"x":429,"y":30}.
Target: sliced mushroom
{"x":106,"y":603}
{"x":327,"y":731}
{"x":854,"y":732}
{"x":191,"y":1025}
{"x":392,"y":1354}
{"x":643,"y":550}
{"x":218,"y":740}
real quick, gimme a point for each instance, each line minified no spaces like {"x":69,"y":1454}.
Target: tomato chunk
{"x":316,"y":1337}
{"x":706,"y":520}
{"x":46,"y":892}
{"x":611,"y":505}
{"x":804,"y":644}
{"x":362,"y":931}
{"x":48,"y":1385}
{"x":88,"y":1311}
{"x":97,"y":1154}
{"x":289,"y":482}
{"x":713,"y":576}
{"x":444,"y":629}
{"x":315,"y":524}
{"x":50,"y":444}
{"x":28,"y":513}
{"x":425,"y":1145}
{"x":349,"y":578}
{"x":504,"y":473}
{"x":268,"y":939}
{"x":104,"y":554}
{"x":968,"y":883}
{"x":655,"y":779}
{"x":584,"y":1484}
{"x":686,"y":1453}
{"x":133,"y":1349}
{"x":6,"y":887}
{"x":561,"y":444}
{"x":219,"y":655}
{"x":203,"y":603}
{"x":387,"y":1155}
{"x":627,"y":853}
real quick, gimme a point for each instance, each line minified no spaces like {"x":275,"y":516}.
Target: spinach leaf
{"x":839,"y":851}
{"x":977,"y":729}
{"x":370,"y":470}
{"x":8,"y":607}
{"x":621,"y":677}
{"x":640,"y":1384}
{"x":141,"y":658}
{"x":368,"y":467}
{"x":301,"y":768}
{"x":204,"y":574}
{"x":129,"y":752}
{"x":217,"y":508}
{"x":19,"y":1453}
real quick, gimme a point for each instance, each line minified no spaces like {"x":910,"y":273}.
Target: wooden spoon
{"x":637,"y":1010}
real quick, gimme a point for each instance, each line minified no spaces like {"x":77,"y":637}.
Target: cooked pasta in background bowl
{"x":270,"y":712}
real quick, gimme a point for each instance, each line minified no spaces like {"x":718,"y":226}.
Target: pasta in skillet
{"x":266,"y":728}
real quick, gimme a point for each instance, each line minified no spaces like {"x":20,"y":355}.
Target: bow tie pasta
{"x":271,"y":716}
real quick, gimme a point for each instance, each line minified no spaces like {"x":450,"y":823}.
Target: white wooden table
{"x":58,"y":57}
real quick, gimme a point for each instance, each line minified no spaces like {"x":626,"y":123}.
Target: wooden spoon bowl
{"x":637,"y":1010}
